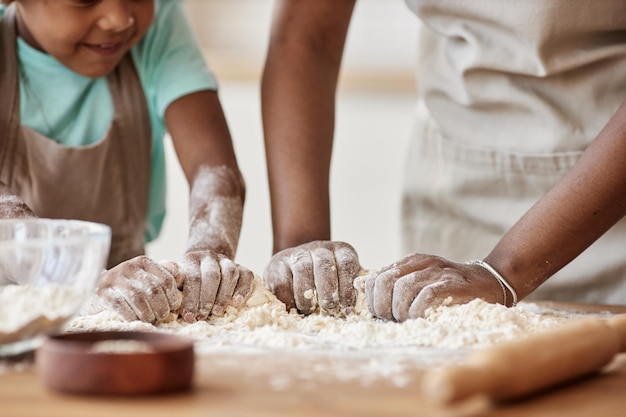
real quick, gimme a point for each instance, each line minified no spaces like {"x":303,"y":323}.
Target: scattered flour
{"x":264,"y":323}
{"x":375,"y":348}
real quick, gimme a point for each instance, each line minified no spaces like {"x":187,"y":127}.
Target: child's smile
{"x":110,"y":48}
{"x":89,"y":37}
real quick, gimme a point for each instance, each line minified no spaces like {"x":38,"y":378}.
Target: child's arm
{"x":144,"y":289}
{"x":217,"y":191}
{"x":12,"y":206}
{"x":569,"y":218}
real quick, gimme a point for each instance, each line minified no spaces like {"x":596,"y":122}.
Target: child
{"x":87,"y":92}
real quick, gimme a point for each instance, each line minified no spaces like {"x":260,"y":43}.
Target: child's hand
{"x":316,"y":272}
{"x":12,"y":206}
{"x":141,"y":289}
{"x":211,"y":283}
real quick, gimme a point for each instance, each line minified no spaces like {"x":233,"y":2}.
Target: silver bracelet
{"x":503,"y":282}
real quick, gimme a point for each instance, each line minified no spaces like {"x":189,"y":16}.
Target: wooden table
{"x":246,"y":385}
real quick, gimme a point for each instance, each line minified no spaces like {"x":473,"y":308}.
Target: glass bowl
{"x":48,"y":269}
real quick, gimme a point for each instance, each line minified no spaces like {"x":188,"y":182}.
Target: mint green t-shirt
{"x":76,"y":111}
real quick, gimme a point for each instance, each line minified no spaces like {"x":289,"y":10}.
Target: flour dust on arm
{"x":12,"y":206}
{"x":216,"y":210}
{"x":212,"y":279}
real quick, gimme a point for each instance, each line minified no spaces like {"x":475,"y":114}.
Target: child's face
{"x":88,"y":36}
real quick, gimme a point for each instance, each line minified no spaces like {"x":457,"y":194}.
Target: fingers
{"x":203,"y":275}
{"x":370,"y":285}
{"x":404,"y":304}
{"x":139,"y":289}
{"x":174,"y":269}
{"x":348,"y":268}
{"x":142,"y":289}
{"x":191,"y":290}
{"x":279,"y":279}
{"x":244,"y":288}
{"x":148,"y":298}
{"x":230,"y":277}
{"x":212,"y":283}
{"x":167,"y":280}
{"x":452,"y":288}
{"x":127,"y":297}
{"x":430,"y":296}
{"x":115,"y":300}
{"x":325,"y":278}
{"x":392,"y":296}
{"x":412,"y":262}
{"x":381,"y":289}
{"x":210,"y":280}
{"x":304,"y":282}
{"x":408,"y":288}
{"x":379,"y":286}
{"x":319,"y":273}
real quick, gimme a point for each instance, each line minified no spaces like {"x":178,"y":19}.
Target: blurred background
{"x":375,"y":104}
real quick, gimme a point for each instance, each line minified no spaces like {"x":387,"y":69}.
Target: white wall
{"x":374,"y":108}
{"x":379,"y":53}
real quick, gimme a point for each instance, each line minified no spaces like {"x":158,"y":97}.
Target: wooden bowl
{"x":116,"y":363}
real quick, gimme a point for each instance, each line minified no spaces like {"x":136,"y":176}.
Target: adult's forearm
{"x":298,"y":101}
{"x":298,"y":127}
{"x":569,"y":218}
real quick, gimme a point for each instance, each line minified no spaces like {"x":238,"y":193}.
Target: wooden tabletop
{"x":266,"y":384}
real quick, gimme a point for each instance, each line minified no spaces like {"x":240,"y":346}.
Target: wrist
{"x":523,"y":273}
{"x":219,"y":249}
{"x":509,"y":294}
{"x":294,"y":241}
{"x":212,"y":240}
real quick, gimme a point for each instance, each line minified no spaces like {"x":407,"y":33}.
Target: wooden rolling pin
{"x":518,"y":368}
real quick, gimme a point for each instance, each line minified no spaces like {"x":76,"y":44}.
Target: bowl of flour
{"x":48,"y":269}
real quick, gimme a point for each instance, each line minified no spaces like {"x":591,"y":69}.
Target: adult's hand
{"x":319,"y":272}
{"x":406,"y":289}
{"x":212,"y":282}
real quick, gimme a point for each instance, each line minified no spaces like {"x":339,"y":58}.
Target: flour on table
{"x":264,"y":326}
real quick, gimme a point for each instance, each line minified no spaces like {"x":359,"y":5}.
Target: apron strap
{"x":9,"y":94}
{"x":136,"y":143}
{"x":134,"y":155}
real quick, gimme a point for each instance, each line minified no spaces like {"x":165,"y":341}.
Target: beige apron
{"x":511,"y":93}
{"x":104,"y":182}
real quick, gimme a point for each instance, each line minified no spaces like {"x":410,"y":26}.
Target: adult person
{"x":510,"y":96}
{"x":88,"y":90}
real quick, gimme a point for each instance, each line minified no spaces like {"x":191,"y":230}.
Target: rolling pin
{"x":518,"y":368}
